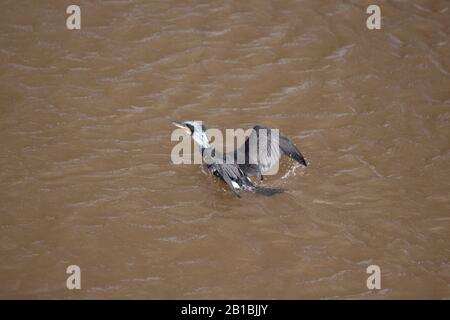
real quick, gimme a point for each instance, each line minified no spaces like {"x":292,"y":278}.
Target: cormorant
{"x":253,"y":161}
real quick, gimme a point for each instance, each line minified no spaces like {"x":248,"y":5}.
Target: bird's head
{"x":196,"y":130}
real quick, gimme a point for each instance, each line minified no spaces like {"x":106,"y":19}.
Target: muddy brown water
{"x":86,"y":176}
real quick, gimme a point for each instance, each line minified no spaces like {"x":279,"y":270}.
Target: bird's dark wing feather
{"x":229,"y":173}
{"x":232,"y":174}
{"x":259,"y":160}
{"x":291,"y":150}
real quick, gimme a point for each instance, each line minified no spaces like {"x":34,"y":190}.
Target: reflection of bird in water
{"x":260,"y":152}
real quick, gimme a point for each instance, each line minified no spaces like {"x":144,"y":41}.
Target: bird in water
{"x":254,"y":161}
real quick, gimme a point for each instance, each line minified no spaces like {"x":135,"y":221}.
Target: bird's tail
{"x":267,"y":191}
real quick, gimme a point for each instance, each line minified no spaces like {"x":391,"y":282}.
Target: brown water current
{"x":86,"y":176}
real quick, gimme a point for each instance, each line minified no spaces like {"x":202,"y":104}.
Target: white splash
{"x":291,"y":171}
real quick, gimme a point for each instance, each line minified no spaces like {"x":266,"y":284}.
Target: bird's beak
{"x":178,"y":124}
{"x":182,"y":126}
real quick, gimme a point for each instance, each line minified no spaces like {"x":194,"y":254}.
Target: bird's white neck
{"x":201,"y":139}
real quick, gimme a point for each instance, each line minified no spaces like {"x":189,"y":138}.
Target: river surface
{"x":86,"y":176}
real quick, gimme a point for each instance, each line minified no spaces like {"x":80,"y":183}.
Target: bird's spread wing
{"x":291,"y":150}
{"x":229,"y":173}
{"x":263,"y":148}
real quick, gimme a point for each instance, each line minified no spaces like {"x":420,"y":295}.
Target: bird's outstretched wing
{"x":235,"y":177}
{"x":231,"y":174}
{"x":263,"y":149}
{"x":291,"y":150}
